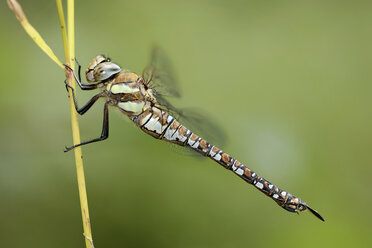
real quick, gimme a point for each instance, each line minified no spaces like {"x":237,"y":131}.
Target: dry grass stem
{"x":69,"y":50}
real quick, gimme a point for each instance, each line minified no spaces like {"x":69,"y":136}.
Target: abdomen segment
{"x":161,"y":125}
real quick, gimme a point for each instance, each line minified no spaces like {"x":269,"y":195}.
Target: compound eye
{"x":93,"y":64}
{"x":104,"y":71}
{"x":89,"y":76}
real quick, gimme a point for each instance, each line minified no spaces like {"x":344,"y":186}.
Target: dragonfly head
{"x":101,"y":68}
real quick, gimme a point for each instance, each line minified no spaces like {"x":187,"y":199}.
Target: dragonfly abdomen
{"x":284,"y":199}
{"x":158,"y":123}
{"x":161,"y":125}
{"x":202,"y":146}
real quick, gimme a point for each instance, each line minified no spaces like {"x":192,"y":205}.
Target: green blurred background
{"x":289,"y":81}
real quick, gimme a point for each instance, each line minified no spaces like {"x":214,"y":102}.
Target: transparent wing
{"x":203,"y":125}
{"x":198,"y":122}
{"x":159,"y":75}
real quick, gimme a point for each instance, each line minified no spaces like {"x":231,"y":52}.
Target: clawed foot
{"x":68,"y":67}
{"x":68,"y":148}
{"x":68,"y":86}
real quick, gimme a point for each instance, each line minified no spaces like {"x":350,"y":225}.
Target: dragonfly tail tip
{"x":315,"y":213}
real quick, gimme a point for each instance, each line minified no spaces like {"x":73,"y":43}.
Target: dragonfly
{"x":140,"y":97}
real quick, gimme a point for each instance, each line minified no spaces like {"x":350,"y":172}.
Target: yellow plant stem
{"x":69,"y":48}
{"x":31,"y":31}
{"x":61,"y":17}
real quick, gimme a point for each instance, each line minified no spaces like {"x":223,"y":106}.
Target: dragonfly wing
{"x":203,"y":125}
{"x":197,"y":121}
{"x":159,"y":74}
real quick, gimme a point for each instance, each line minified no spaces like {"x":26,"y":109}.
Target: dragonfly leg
{"x":82,"y":85}
{"x":79,"y":68}
{"x":104,"y":133}
{"x":88,"y":105}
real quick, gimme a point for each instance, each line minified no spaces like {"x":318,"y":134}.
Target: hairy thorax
{"x":130,"y":93}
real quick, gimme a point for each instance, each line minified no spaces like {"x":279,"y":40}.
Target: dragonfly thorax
{"x":127,"y":91}
{"x":100,"y":69}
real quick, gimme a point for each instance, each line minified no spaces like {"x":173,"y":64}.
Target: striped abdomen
{"x":161,"y":125}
